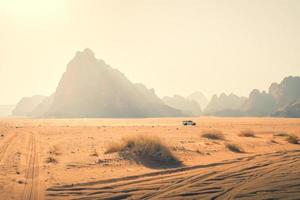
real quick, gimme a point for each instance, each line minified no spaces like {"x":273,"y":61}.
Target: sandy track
{"x":31,"y":187}
{"x":267,"y":176}
{"x":5,"y":145}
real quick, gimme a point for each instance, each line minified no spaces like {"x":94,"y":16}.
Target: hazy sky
{"x":173,"y":46}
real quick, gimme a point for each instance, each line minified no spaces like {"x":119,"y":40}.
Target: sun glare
{"x":33,"y":11}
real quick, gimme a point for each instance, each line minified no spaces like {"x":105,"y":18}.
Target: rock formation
{"x":189,"y":107}
{"x":27,"y":105}
{"x":225,"y":104}
{"x":199,"y":98}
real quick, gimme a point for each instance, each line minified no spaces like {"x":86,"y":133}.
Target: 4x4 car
{"x":188,"y":122}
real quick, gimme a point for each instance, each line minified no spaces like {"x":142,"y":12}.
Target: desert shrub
{"x":281,"y":134}
{"x":116,"y":147}
{"x":146,"y":148}
{"x":293,"y":139}
{"x":94,"y":153}
{"x":247,"y":133}
{"x":51,"y":159}
{"x":234,"y":148}
{"x":213,"y":135}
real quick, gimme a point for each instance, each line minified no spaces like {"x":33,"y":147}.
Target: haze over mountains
{"x":187,"y":106}
{"x":91,"y":88}
{"x":28,"y":105}
{"x":281,"y":100}
{"x":6,"y":110}
{"x":199,"y":98}
{"x":219,"y":105}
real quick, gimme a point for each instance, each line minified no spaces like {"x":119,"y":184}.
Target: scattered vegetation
{"x":281,"y":134}
{"x":293,"y":139}
{"x":53,"y":152}
{"x":144,"y":148}
{"x":95,"y":153}
{"x":234,"y":148}
{"x":51,"y":159}
{"x":213,"y":135}
{"x":247,"y":133}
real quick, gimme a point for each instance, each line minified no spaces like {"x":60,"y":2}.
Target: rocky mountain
{"x":225,"y":104}
{"x":286,"y":92}
{"x":199,"y":98}
{"x":260,"y":104}
{"x":41,"y":109}
{"x":281,"y":100}
{"x":291,"y":110}
{"x":189,"y":107}
{"x":27,"y":105}
{"x":91,"y":88}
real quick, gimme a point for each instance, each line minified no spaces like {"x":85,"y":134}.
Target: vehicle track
{"x":5,"y":146}
{"x":273,"y":175}
{"x":31,"y":187}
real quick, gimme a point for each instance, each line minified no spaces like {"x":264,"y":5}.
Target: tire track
{"x":31,"y":188}
{"x":5,"y":146}
{"x":266,"y":175}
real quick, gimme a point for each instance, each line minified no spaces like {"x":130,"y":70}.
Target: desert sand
{"x":65,"y":159}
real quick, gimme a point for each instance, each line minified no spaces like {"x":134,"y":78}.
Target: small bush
{"x":51,"y":159}
{"x":95,"y":153}
{"x":213,"y":135}
{"x":234,"y":148}
{"x":143,"y":148}
{"x":281,"y":134}
{"x":247,"y":133}
{"x":293,"y":139}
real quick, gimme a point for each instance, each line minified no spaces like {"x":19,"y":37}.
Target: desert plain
{"x":68,"y":159}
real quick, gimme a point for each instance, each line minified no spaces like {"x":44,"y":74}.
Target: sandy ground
{"x":65,"y":159}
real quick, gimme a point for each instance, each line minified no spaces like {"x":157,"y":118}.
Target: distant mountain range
{"x":187,"y":106}
{"x":28,"y":105}
{"x":91,"y":88}
{"x":199,"y":98}
{"x":282,"y":100}
{"x":219,"y":105}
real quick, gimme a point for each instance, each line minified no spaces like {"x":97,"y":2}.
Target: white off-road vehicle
{"x":188,"y":123}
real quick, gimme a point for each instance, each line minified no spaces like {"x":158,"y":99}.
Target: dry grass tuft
{"x":145,"y":148}
{"x":234,"y":148}
{"x":247,"y":133}
{"x":281,"y":134}
{"x":293,"y":139}
{"x":213,"y":135}
{"x":51,"y":159}
{"x":95,"y":153}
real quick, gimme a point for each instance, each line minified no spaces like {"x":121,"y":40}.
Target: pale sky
{"x":173,"y":46}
